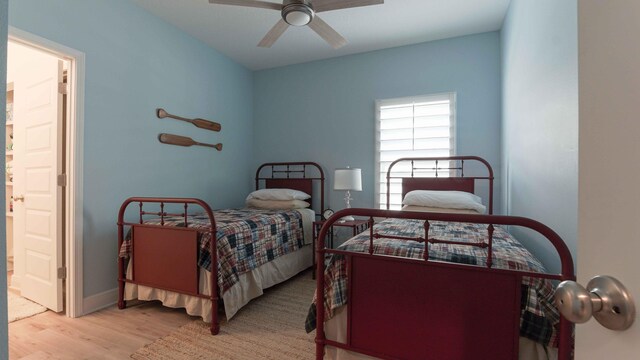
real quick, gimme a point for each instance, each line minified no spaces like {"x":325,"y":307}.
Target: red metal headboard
{"x":460,"y":184}
{"x":456,"y":179}
{"x":292,"y":175}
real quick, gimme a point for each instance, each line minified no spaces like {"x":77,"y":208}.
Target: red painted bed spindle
{"x":426,"y":240}
{"x":215,"y":290}
{"x":371,"y":238}
{"x":121,"y":271}
{"x":186,"y":223}
{"x":490,"y":249}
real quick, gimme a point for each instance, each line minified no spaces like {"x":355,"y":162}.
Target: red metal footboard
{"x":161,"y":245}
{"x":465,"y":311}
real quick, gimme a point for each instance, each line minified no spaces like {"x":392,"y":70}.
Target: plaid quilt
{"x":539,"y":318}
{"x":246,"y":239}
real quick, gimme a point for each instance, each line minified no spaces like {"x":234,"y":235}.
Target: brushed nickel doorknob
{"x":605,"y":298}
{"x":18,"y":198}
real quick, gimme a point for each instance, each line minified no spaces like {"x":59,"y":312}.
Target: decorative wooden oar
{"x":184,"y":141}
{"x":201,"y":123}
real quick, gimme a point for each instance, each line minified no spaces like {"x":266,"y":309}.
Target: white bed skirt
{"x":335,"y":329}
{"x":249,"y":286}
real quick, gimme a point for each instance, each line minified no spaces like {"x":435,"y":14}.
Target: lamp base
{"x":347,"y":218}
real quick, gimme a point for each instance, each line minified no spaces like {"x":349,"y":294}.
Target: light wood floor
{"x":107,"y":334}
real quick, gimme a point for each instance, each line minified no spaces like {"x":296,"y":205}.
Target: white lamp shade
{"x":347,"y":179}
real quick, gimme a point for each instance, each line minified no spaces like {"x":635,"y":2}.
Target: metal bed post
{"x":121,"y":273}
{"x":320,"y":251}
{"x":213,"y":249}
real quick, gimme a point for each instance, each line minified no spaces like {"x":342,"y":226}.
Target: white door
{"x":37,"y":162}
{"x":609,"y":152}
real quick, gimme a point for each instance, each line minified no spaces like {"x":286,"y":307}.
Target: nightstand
{"x":357,"y":227}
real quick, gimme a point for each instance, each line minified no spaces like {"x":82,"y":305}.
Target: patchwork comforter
{"x":539,"y":317}
{"x":246,"y":239}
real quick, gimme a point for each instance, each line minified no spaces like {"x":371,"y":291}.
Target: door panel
{"x":609,"y":155}
{"x":37,"y":159}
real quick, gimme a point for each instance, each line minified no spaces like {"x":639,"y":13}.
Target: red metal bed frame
{"x":165,"y":257}
{"x":467,"y":311}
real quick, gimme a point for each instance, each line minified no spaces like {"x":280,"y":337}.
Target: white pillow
{"x":445,"y":200}
{"x":278,"y":194}
{"x":277,"y":204}
{"x":438,"y":210}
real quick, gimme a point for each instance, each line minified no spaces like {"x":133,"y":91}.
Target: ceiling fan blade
{"x":249,"y":3}
{"x":328,"y":5}
{"x":274,"y":34}
{"x":327,"y":33}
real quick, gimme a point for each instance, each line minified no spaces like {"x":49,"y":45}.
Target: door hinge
{"x":62,"y":273}
{"x":62,"y":180}
{"x":62,"y":88}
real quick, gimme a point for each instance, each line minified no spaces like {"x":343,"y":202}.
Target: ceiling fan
{"x":301,"y":13}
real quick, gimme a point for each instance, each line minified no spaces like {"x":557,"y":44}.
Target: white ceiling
{"x":235,"y":31}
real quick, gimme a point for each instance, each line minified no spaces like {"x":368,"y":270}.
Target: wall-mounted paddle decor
{"x":184,"y":141}
{"x":201,"y":123}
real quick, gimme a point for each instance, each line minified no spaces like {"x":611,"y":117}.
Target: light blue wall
{"x":540,"y":118}
{"x":4,"y":348}
{"x":324,"y":111}
{"x":136,"y":62}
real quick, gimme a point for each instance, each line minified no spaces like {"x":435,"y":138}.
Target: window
{"x":420,"y":126}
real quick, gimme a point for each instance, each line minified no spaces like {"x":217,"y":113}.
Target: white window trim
{"x":399,"y":101}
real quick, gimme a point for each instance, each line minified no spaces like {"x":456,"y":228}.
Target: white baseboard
{"x":99,"y":301}
{"x":16,"y":281}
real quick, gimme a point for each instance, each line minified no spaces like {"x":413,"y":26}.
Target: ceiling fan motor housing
{"x":297,"y":12}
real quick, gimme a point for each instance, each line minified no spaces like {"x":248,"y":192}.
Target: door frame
{"x":73,"y":220}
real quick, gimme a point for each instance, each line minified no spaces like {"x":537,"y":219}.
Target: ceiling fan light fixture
{"x":301,"y":13}
{"x":297,"y":13}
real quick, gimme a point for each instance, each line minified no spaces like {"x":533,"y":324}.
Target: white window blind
{"x":421,"y":126}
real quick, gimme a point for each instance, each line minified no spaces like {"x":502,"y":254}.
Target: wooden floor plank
{"x":107,"y":334}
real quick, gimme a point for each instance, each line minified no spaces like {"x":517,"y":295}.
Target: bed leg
{"x":121,"y":302}
{"x":121,"y":276}
{"x":215,"y":329}
{"x":215,"y":321}
{"x":319,"y":350}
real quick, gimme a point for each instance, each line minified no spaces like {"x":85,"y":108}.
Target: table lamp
{"x":347,"y":179}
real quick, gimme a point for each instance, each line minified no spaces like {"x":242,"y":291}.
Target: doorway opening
{"x":40,"y":179}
